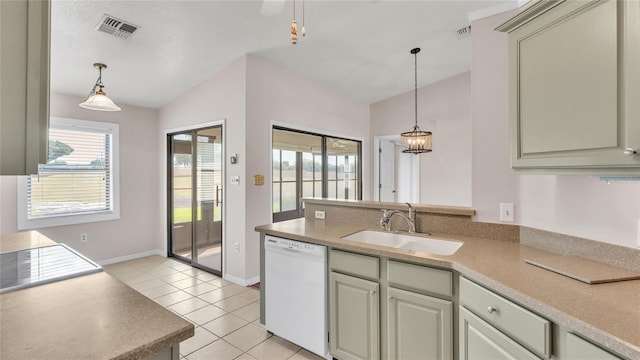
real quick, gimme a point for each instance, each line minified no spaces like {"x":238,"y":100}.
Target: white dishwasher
{"x":295,"y":293}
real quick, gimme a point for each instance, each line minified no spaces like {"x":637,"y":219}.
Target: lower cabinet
{"x":391,"y":316}
{"x":419,"y":326}
{"x":579,"y":349}
{"x":354,"y":317}
{"x":479,"y":340}
{"x":383,"y":308}
{"x":495,"y":323}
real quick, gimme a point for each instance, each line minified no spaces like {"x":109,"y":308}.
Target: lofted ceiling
{"x":358,"y":48}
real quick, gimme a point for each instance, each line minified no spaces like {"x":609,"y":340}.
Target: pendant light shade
{"x":416,"y":141}
{"x":98,"y":100}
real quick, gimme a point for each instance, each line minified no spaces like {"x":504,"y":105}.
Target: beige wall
{"x":444,"y":109}
{"x":220,"y":97}
{"x":274,"y":94}
{"x":137,"y":231}
{"x":492,"y":182}
{"x":249,"y":94}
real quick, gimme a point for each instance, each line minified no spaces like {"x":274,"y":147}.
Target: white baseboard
{"x":131,"y":257}
{"x":242,"y":282}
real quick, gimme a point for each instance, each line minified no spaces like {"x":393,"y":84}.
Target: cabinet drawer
{"x":355,"y":264}
{"x":479,"y":340}
{"x":420,"y":278}
{"x":517,"y":322}
{"x":579,"y":349}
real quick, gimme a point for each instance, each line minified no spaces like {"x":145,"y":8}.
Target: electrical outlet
{"x":319,"y":214}
{"x":236,"y":247}
{"x":83,"y":238}
{"x":507,"y":212}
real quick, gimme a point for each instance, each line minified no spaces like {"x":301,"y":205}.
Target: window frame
{"x":25,"y":223}
{"x":325,"y":156}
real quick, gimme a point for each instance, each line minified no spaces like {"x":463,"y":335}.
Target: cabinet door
{"x":420,"y":326}
{"x":354,"y":317}
{"x":579,"y":349}
{"x":479,"y":340}
{"x":24,"y":85}
{"x":573,"y":95}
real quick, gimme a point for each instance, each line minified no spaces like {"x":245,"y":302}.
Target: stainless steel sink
{"x":406,"y":241}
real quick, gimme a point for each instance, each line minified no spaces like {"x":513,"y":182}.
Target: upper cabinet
{"x":575,"y":87}
{"x":24,"y":85}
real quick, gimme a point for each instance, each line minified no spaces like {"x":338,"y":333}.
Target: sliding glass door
{"x":195,"y":197}
{"x":343,"y":169}
{"x":312,"y":165}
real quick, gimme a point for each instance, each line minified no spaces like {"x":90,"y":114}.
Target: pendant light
{"x":416,"y":141}
{"x":294,"y":24}
{"x":98,"y":100}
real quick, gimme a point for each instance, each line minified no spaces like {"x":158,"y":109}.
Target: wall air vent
{"x":464,"y":32}
{"x":116,"y":27}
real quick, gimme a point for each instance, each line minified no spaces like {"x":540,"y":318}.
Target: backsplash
{"x":458,"y":221}
{"x":437,"y":219}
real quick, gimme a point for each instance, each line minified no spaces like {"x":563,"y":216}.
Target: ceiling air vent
{"x":116,"y":27}
{"x":464,"y":32}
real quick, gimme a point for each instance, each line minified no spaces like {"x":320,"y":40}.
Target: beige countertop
{"x":607,"y":313}
{"x":88,"y":317}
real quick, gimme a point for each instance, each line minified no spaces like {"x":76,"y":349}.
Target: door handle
{"x":218,"y":195}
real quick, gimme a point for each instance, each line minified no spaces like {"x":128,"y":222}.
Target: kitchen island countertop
{"x":607,"y":313}
{"x":89,"y":317}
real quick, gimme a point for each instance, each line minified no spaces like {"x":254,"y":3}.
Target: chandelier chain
{"x":415,"y":91}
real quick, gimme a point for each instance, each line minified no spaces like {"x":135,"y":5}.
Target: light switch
{"x":507,"y":212}
{"x":235,"y":180}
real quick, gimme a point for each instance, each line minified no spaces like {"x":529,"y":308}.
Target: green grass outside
{"x":183,"y":215}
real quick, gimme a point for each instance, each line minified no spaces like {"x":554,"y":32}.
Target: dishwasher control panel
{"x":272,"y":241}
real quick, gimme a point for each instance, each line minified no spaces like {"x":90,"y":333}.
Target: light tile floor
{"x":226,"y":315}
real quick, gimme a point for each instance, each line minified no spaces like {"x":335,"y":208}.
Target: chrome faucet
{"x":385,"y":221}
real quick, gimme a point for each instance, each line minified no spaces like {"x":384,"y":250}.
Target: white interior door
{"x":387,"y":171}
{"x":407,"y":177}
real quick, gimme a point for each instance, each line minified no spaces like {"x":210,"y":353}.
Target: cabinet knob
{"x":491,"y":309}
{"x":630,"y":151}
{"x":391,"y":299}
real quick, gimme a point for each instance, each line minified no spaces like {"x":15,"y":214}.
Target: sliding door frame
{"x":168,"y":191}
{"x":275,"y":125}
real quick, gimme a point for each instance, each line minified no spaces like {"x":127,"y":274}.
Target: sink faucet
{"x":410,"y":220}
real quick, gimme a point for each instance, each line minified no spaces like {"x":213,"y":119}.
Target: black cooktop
{"x":31,"y":267}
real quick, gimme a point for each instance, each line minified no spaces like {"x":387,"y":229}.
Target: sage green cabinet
{"x":493,"y":323}
{"x":24,"y":85}
{"x":577,"y":348}
{"x":419,"y":326}
{"x":479,"y":340}
{"x":574,"y":87}
{"x":381,"y":308}
{"x":354,"y":309}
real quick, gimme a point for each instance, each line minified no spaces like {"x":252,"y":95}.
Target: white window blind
{"x":77,"y":176}
{"x":78,"y":183}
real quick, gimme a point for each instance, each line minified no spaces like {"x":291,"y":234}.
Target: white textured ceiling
{"x":359,"y":48}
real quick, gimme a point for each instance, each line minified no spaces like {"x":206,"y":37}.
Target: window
{"x":79,"y":182}
{"x":312,"y":165}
